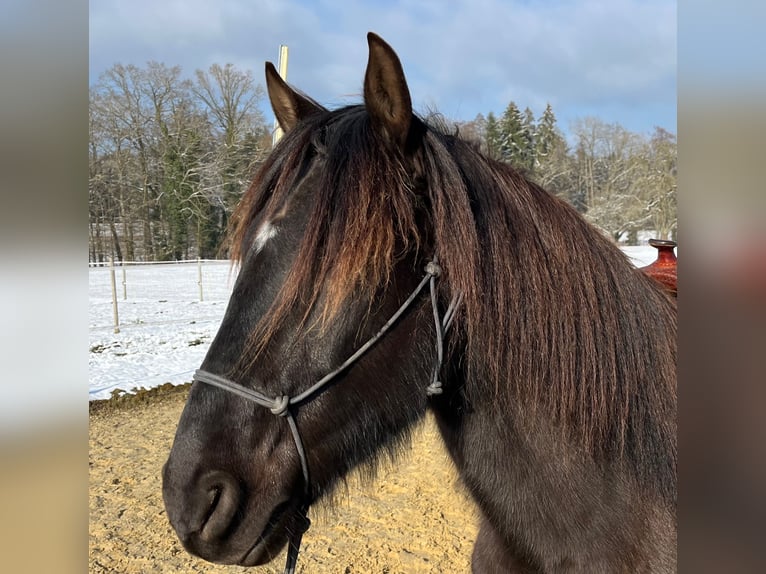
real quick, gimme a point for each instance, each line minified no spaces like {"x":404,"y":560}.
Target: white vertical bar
{"x":199,"y":277}
{"x":114,"y":296}
{"x":124,"y":282}
{"x":282,"y":67}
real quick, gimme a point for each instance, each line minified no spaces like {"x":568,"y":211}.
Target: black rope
{"x":294,"y":544}
{"x":435,"y":388}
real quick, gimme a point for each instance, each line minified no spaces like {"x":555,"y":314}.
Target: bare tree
{"x":231,"y":99}
{"x":610,"y":173}
{"x":473,"y":131}
{"x":661,"y":182}
{"x":121,"y":103}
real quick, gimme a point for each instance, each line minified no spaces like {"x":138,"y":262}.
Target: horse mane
{"x":554,"y":317}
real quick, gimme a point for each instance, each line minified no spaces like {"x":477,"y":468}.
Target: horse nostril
{"x":214,"y":495}
{"x":223,"y":495}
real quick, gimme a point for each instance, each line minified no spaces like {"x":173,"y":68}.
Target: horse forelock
{"x":556,"y":321}
{"x":361,"y":219}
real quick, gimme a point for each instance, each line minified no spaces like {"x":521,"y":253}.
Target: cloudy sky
{"x":614,"y":59}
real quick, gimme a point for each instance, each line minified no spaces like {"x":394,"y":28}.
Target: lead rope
{"x":296,"y":536}
{"x":281,"y":406}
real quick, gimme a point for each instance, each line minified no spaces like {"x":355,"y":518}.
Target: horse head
{"x":329,"y":247}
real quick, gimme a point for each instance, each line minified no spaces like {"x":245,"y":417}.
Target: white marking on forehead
{"x":266,"y":232}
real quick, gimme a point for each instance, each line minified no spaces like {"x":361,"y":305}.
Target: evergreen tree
{"x":182,"y":160}
{"x":548,"y":135}
{"x":554,"y":166}
{"x":512,"y":139}
{"x":528,"y":135}
{"x":492,"y":136}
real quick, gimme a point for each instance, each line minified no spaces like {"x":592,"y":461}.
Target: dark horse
{"x":554,"y":388}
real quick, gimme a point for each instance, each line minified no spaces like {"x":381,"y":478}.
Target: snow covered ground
{"x":165,"y":330}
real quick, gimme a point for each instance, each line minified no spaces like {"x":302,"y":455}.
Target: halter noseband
{"x":284,"y":406}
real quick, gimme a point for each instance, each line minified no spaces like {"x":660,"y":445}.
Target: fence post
{"x":199,"y":277}
{"x":114,"y":296}
{"x":124,"y":282}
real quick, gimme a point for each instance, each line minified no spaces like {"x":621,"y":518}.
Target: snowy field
{"x":165,"y":329}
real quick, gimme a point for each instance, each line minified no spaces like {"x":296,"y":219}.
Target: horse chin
{"x":284,"y":519}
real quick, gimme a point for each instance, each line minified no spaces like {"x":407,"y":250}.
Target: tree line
{"x":170,"y":157}
{"x":622,"y":182}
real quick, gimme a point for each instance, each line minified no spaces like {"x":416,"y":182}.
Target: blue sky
{"x":614,"y":59}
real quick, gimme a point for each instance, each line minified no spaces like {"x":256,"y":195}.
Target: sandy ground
{"x":414,"y":517}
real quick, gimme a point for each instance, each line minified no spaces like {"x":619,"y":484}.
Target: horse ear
{"x":289,"y":106}
{"x":386,"y":95}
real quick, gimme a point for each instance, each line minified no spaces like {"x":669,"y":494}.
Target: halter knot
{"x":435,"y":388}
{"x":433,"y":269}
{"x":281,"y":405}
